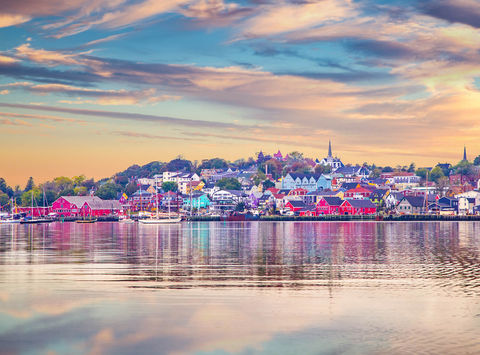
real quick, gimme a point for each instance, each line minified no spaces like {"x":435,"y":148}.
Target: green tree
{"x":229,"y":184}
{"x":267,"y":184}
{"x":108,"y":191}
{"x":464,"y":168}
{"x":322,"y":169}
{"x":215,"y":163}
{"x":78,"y":180}
{"x":170,"y":186}
{"x":297,"y":156}
{"x":411,"y":168}
{"x":375,"y":173}
{"x":476,"y":161}
{"x":258,"y":177}
{"x":63,"y":183}
{"x":387,"y":169}
{"x":240,"y":207}
{"x":4,"y":199}
{"x":30,"y":184}
{"x":436,"y":174}
{"x":131,"y":188}
{"x":37,"y":197}
{"x":80,"y":191}
{"x":422,"y":173}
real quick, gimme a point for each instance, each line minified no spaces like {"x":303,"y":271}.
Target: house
{"x":308,"y":211}
{"x":411,"y":205}
{"x":278,"y":155}
{"x":295,"y":206}
{"x":378,"y":195}
{"x":99,"y":207}
{"x":197,"y":200}
{"x":313,"y":197}
{"x":74,"y":206}
{"x":309,"y":182}
{"x":358,"y":207}
{"x":329,"y":205}
{"x":358,"y":193}
{"x":352,"y":171}
{"x":450,"y":202}
{"x":392,"y":199}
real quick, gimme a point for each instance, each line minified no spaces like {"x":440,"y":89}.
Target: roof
{"x":297,"y":204}
{"x":79,"y":201}
{"x":333,"y":201}
{"x":361,"y":203}
{"x":104,"y":204}
{"x":301,"y":176}
{"x":415,"y":201}
{"x":359,"y":189}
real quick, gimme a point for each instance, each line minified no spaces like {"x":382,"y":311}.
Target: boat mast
{"x":156,"y":195}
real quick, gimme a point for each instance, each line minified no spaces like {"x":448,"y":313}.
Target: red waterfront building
{"x":358,"y":207}
{"x":329,"y":205}
{"x":74,"y":206}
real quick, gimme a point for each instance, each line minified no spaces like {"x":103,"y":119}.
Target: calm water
{"x":246,"y":288}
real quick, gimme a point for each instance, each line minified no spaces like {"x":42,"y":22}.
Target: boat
{"x":90,"y":220}
{"x":157,"y":219}
{"x":35,"y":220}
{"x":11,"y":218}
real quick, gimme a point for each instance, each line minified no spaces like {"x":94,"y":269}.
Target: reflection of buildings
{"x":252,"y":253}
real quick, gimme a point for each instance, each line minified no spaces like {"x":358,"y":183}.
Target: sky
{"x":93,"y":86}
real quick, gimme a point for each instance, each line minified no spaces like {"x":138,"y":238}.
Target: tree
{"x":411,"y":168}
{"x":131,"y":188}
{"x":170,"y":186}
{"x":267,"y":184}
{"x":80,"y":191}
{"x":30,"y":184}
{"x":229,"y":184}
{"x":441,"y":185}
{"x":179,"y":164}
{"x":63,"y":183}
{"x":4,"y":198}
{"x":78,"y":180}
{"x":297,"y":156}
{"x":215,"y":163}
{"x":464,"y":168}
{"x":108,"y":191}
{"x":436,"y":174}
{"x":476,"y":161}
{"x":240,"y":207}
{"x":387,"y":169}
{"x":322,"y":169}
{"x":258,"y":177}
{"x":275,"y":168}
{"x":422,"y":173}
{"x":375,"y":173}
{"x":27,"y":197}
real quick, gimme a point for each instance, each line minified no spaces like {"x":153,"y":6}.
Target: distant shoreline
{"x":393,"y":218}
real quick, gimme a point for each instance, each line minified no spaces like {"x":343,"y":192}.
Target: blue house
{"x":198,"y":201}
{"x":309,"y":182}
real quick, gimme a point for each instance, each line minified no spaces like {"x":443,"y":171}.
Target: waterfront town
{"x":275,"y":184}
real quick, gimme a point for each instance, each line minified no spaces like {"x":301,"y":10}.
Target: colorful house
{"x":358,"y":193}
{"x":309,"y":182}
{"x":358,"y":207}
{"x":198,"y":201}
{"x":329,"y":205}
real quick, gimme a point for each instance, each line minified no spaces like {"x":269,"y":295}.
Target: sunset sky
{"x":93,"y":86}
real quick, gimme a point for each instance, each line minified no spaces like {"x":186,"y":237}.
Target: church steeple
{"x":329,"y":148}
{"x":465,"y":153}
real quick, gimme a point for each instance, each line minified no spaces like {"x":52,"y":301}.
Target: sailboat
{"x":157,"y":219}
{"x":33,"y":219}
{"x":11,"y":219}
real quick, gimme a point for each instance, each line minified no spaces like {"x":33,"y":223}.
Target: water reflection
{"x":240,"y":287}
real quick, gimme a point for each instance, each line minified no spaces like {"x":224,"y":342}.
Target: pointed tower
{"x":329,"y":148}
{"x":465,"y":153}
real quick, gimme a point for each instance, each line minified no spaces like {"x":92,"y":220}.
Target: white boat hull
{"x":9,"y":221}
{"x":160,"y":220}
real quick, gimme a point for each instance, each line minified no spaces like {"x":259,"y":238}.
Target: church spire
{"x":465,"y":153}
{"x":329,"y":148}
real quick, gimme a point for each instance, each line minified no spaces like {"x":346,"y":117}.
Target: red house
{"x":73,"y":206}
{"x":100,"y":207}
{"x":358,"y":207}
{"x":357,"y":193}
{"x":308,"y":211}
{"x":295,"y":206}
{"x":329,"y":205}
